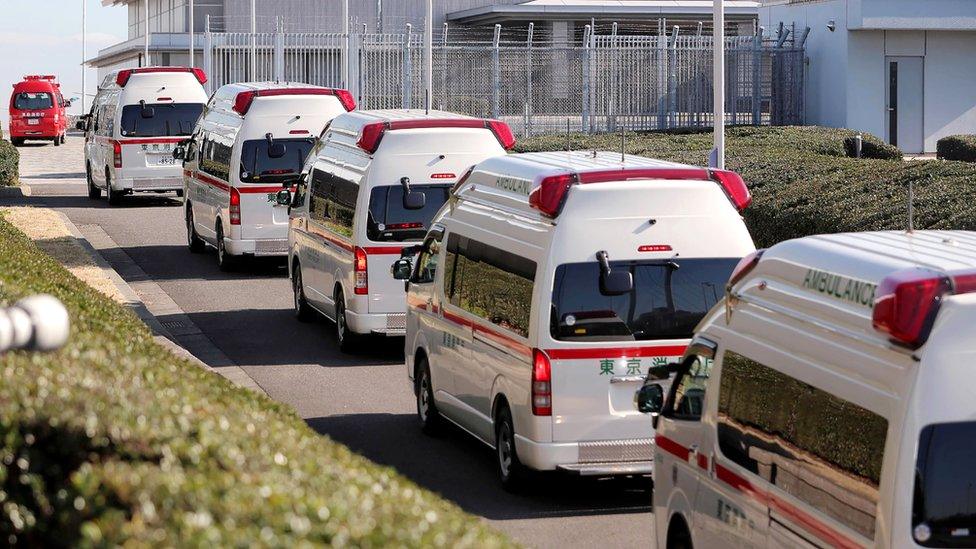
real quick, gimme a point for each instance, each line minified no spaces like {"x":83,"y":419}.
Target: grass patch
{"x":114,"y":440}
{"x":803,"y":182}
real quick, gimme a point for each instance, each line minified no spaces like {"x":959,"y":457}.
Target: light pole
{"x":145,"y":54}
{"x":254,"y":41}
{"x":192,"y":63}
{"x":717,"y":159}
{"x":84,"y":50}
{"x":429,"y":54}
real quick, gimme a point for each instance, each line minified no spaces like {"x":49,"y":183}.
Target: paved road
{"x":362,"y":401}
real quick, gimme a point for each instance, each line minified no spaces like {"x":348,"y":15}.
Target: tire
{"x":431,"y":422}
{"x":678,"y":535}
{"x":57,"y":141}
{"x":193,"y":240}
{"x":94,"y":192}
{"x":348,"y":341}
{"x":179,"y":193}
{"x":225,"y":261}
{"x":17,"y":142}
{"x":114,"y":197}
{"x":64,"y":138}
{"x":511,"y":472}
{"x":303,"y":311}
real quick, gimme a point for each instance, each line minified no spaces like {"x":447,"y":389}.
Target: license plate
{"x":33,"y":121}
{"x":165,"y":161}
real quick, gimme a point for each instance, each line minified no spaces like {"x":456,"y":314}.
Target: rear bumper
{"x":602,"y":458}
{"x":47,"y":129}
{"x":266,"y":247}
{"x":148,"y":184}
{"x":386,"y":324}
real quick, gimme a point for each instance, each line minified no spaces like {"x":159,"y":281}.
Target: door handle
{"x":693,"y":454}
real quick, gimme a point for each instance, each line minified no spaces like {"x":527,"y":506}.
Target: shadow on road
{"x":60,"y":175}
{"x":462,"y":470}
{"x":138,"y":200}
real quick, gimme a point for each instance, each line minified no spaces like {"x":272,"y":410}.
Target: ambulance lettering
{"x":840,"y":287}
{"x":518,"y":186}
{"x":632,"y":366}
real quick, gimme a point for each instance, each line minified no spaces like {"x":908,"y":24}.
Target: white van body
{"x":837,"y":400}
{"x":506,"y":311}
{"x":348,"y":223}
{"x":127,"y":151}
{"x":231,"y":180}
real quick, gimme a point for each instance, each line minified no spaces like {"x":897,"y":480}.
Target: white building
{"x":904,"y":70}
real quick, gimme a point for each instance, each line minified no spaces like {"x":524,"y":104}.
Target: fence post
{"x":360,"y":88}
{"x":443,"y":90}
{"x":496,"y":74}
{"x":279,"y":51}
{"x":208,"y":56}
{"x":527,"y":125}
{"x":757,"y":78}
{"x":585,"y":119}
{"x":662,"y":82}
{"x":673,"y":81}
{"x":407,"y":78}
{"x":614,"y":81}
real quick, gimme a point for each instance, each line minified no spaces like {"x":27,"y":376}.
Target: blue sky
{"x":44,"y":37}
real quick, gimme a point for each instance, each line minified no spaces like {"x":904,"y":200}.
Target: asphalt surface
{"x":363,"y":401}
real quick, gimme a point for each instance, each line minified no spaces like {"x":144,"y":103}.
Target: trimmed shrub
{"x":957,"y":147}
{"x":115,"y":441}
{"x":803,"y":182}
{"x":9,"y":164}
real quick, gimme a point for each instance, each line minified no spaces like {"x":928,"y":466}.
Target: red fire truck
{"x":37,"y":110}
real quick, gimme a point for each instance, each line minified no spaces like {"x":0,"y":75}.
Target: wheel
{"x":17,"y":141}
{"x":114,"y":196}
{"x":193,"y":240}
{"x":431,"y":421}
{"x":64,"y":138}
{"x":678,"y":535}
{"x":510,"y":469}
{"x":348,"y":341}
{"x":303,"y":311}
{"x":224,"y":260}
{"x":179,"y":193}
{"x":93,"y":192}
{"x":57,"y":141}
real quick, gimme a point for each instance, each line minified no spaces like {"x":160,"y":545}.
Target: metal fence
{"x":596,"y":83}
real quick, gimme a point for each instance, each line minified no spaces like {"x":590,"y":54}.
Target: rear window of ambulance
{"x":168,"y":119}
{"x":389,"y":221}
{"x":29,"y":101}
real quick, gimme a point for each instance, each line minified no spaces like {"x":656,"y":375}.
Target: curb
{"x":20,"y":191}
{"x":161,"y":334}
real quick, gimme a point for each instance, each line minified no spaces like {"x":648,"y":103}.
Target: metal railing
{"x":596,"y":83}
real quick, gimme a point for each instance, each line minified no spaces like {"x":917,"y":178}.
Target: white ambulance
{"x":244,"y":158}
{"x":137,"y":118}
{"x":546,"y":289}
{"x":829,"y":402}
{"x":372,"y":188}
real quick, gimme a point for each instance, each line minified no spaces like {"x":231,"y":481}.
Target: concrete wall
{"x":865,"y":109}
{"x":950,"y":85}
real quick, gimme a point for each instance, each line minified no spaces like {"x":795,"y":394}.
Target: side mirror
{"x":81,"y":124}
{"x":277,"y":149}
{"x":402,"y":269}
{"x":179,"y":152}
{"x":148,"y":112}
{"x":412,"y":200}
{"x":67,"y":103}
{"x":649,"y":399}
{"x":613,"y":282}
{"x":283,"y":197}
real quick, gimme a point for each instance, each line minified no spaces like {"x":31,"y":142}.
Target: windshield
{"x":667,"y":301}
{"x":28,"y":101}
{"x":945,"y":486}
{"x":167,"y":119}
{"x":390,"y":221}
{"x":258,"y":167}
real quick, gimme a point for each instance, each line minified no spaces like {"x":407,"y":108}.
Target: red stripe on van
{"x":509,"y":342}
{"x":203,"y":178}
{"x":151,"y":140}
{"x":383,"y":250}
{"x":615,"y":352}
{"x":805,"y":520}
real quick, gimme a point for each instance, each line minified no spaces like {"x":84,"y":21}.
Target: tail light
{"x":502,"y":133}
{"x":200,"y":74}
{"x":541,"y":384}
{"x":908,"y":301}
{"x":235,"y":206}
{"x":735,"y":188}
{"x":359,"y":269}
{"x":744,"y":267}
{"x":117,"y":154}
{"x":346,"y":99}
{"x":370,"y":136}
{"x":550,"y":195}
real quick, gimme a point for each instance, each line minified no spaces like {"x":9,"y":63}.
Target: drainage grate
{"x":174,"y":324}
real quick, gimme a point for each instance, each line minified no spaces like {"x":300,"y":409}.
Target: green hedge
{"x":9,"y":164}
{"x":957,"y":147}
{"x":803,"y":182}
{"x":114,"y":440}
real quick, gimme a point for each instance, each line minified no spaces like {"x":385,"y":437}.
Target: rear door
{"x":603,"y":345}
{"x":389,"y":227}
{"x":149,"y":131}
{"x":266,"y":167}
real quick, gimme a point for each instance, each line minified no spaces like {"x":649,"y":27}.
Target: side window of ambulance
{"x":343,"y":195}
{"x":788,"y":432}
{"x":489,"y":282}
{"x":429,"y":256}
{"x":108,"y":119}
{"x":301,"y":190}
{"x":689,"y":391}
{"x":215,"y":158}
{"x":319,"y":192}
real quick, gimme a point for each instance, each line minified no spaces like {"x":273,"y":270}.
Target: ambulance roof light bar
{"x":908,"y":301}
{"x":372,"y":133}
{"x":122,"y":78}
{"x":244,"y":99}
